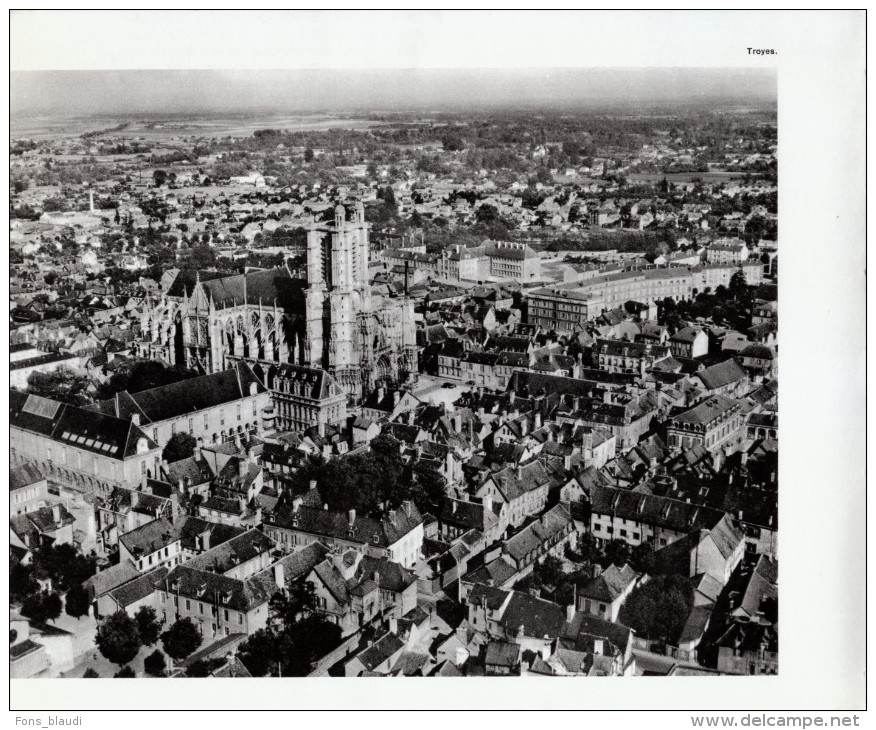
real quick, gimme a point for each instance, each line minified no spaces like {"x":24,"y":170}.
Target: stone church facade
{"x":330,"y":321}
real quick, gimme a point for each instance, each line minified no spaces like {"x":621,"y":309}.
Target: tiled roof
{"x":233,"y":552}
{"x":609,"y":584}
{"x":514,"y":482}
{"x":381,"y":532}
{"x":101,"y":434}
{"x":139,"y":588}
{"x":544,"y":530}
{"x":653,"y":510}
{"x":150,"y":537}
{"x":706,"y":411}
{"x":185,"y":396}
{"x":384,"y":648}
{"x":724,"y":373}
{"x":24,"y":475}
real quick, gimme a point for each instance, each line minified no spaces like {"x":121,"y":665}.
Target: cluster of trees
{"x":137,"y":374}
{"x":659,"y":609}
{"x":727,"y":306}
{"x":120,"y":637}
{"x":66,"y":569}
{"x":366,"y":481}
{"x":297,"y":635}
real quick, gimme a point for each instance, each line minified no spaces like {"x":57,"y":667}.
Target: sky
{"x":293,"y":61}
{"x":299,"y":91}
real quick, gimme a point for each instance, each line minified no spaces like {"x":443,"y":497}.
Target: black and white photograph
{"x":328,"y":366}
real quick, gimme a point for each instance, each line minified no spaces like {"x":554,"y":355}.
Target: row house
{"x":396,"y":535}
{"x":79,"y":448}
{"x":213,"y":407}
{"x":637,"y":518}
{"x":523,"y":488}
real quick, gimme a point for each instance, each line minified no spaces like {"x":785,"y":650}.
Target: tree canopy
{"x":297,"y":635}
{"x":118,"y":638}
{"x":147,"y":625}
{"x":181,"y":639}
{"x":659,"y":609}
{"x":179,"y":446}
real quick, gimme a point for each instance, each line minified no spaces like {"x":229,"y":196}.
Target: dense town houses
{"x":513,"y":420}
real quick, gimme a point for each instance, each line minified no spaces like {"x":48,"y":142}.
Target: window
{"x":200,"y":607}
{"x":238,"y":412}
{"x":173,"y":429}
{"x":623,"y":533}
{"x":155,"y":435}
{"x":188,"y":604}
{"x":609,"y":530}
{"x":191,"y":425}
{"x":227,"y":631}
{"x":206,"y":421}
{"x":240,"y":619}
{"x":601,"y":608}
{"x":226,"y":614}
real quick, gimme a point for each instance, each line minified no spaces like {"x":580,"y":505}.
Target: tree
{"x":21,"y":582}
{"x":180,"y":446}
{"x":659,"y":609}
{"x":159,"y":177}
{"x":90,"y":674}
{"x":203,"y":667}
{"x":147,"y":625}
{"x":155,"y":664}
{"x":738,"y":284}
{"x":259,"y":653}
{"x":118,"y":638}
{"x":76,"y":602}
{"x":308,"y":155}
{"x":181,"y":639}
{"x":125,"y":673}
{"x":42,"y":606}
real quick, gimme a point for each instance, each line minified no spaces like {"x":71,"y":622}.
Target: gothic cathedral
{"x":330,"y":321}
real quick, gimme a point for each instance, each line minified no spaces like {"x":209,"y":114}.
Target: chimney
{"x":143,"y":481}
{"x":242,"y":467}
{"x":488,"y":504}
{"x":250,"y":456}
{"x":381,"y":393}
{"x":279,"y":575}
{"x":135,"y":419}
{"x":241,"y":501}
{"x":296,"y":504}
{"x":205,"y":540}
{"x":411,"y":416}
{"x":567,"y":462}
{"x":321,"y":428}
{"x":351,"y":515}
{"x":453,"y":509}
{"x":538,"y":419}
{"x":520,"y":471}
{"x":56,"y":513}
{"x":570,"y":612}
{"x":196,"y":452}
{"x":396,"y":396}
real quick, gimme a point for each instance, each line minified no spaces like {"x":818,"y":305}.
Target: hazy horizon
{"x":78,"y":93}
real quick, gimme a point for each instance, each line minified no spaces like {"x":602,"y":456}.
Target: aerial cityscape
{"x":423,"y":389}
